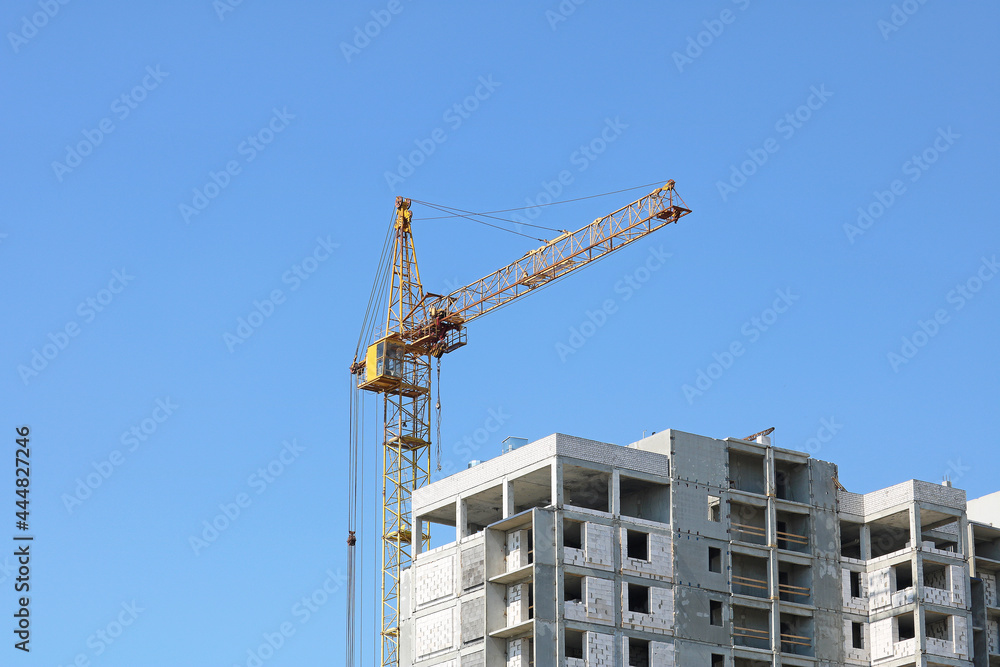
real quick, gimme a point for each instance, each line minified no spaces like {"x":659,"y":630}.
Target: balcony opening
{"x":643,"y":499}
{"x":794,"y":582}
{"x":850,"y":540}
{"x":796,"y":634}
{"x":574,"y":644}
{"x":890,"y":534}
{"x":586,"y":488}
{"x":718,"y":660}
{"x":903,"y":575}
{"x":483,"y":508}
{"x":935,"y":576}
{"x":715,"y":612}
{"x":751,"y":627}
{"x":572,"y":534}
{"x":714,"y":559}
{"x":793,"y":531}
{"x":750,"y":576}
{"x":855,"y":584}
{"x":714,"y":509}
{"x":904,"y":624}
{"x":572,"y":588}
{"x":857,"y":635}
{"x":532,"y":490}
{"x":638,"y":652}
{"x":637,"y":545}
{"x":748,"y":523}
{"x":791,"y":481}
{"x":638,"y":598}
{"x":746,"y":472}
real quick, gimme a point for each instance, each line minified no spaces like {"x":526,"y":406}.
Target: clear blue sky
{"x":129,"y":280}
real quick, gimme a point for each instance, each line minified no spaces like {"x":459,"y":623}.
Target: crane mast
{"x":419,"y":327}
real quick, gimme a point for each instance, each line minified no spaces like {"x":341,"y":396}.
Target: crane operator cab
{"x":383,"y":364}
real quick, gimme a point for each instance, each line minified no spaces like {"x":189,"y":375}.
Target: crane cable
{"x":438,"y":451}
{"x":352,"y":482}
{"x":488,"y":224}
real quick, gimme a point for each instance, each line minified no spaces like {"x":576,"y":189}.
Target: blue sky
{"x":170,"y":170}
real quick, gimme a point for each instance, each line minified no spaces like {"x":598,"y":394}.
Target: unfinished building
{"x":687,"y":550}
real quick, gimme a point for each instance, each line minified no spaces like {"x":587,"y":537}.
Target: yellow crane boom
{"x":419,"y":326}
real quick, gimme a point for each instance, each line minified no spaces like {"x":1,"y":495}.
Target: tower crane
{"x":419,"y":326}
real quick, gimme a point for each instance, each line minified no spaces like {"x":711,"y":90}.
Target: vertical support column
{"x":508,"y":497}
{"x":769,"y":472}
{"x":916,"y":562}
{"x":418,"y":530}
{"x":461,"y":518}
{"x":915,"y":528}
{"x":865,"y":535}
{"x":772,"y":562}
{"x":614,"y":491}
{"x":557,"y":483}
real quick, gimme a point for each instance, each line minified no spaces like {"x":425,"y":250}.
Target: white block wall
{"x":661,"y":654}
{"x":856,"y":654}
{"x":661,"y":611}
{"x":600,"y":596}
{"x":517,"y":604}
{"x":990,"y":584}
{"x":661,"y":562}
{"x":600,"y":650}
{"x":993,"y":636}
{"x":883,"y":639}
{"x":860,"y":604}
{"x":879,"y":588}
{"x":597,"y":546}
{"x":573,"y":556}
{"x":959,"y":627}
{"x":517,"y":653}
{"x":435,"y":633}
{"x":517,"y":549}
{"x":435,"y":580}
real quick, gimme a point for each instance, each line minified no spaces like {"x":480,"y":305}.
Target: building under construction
{"x":688,"y":550}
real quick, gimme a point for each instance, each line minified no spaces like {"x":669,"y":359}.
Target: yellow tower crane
{"x":419,"y":326}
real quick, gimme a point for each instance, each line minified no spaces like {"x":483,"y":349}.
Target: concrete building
{"x":687,"y":550}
